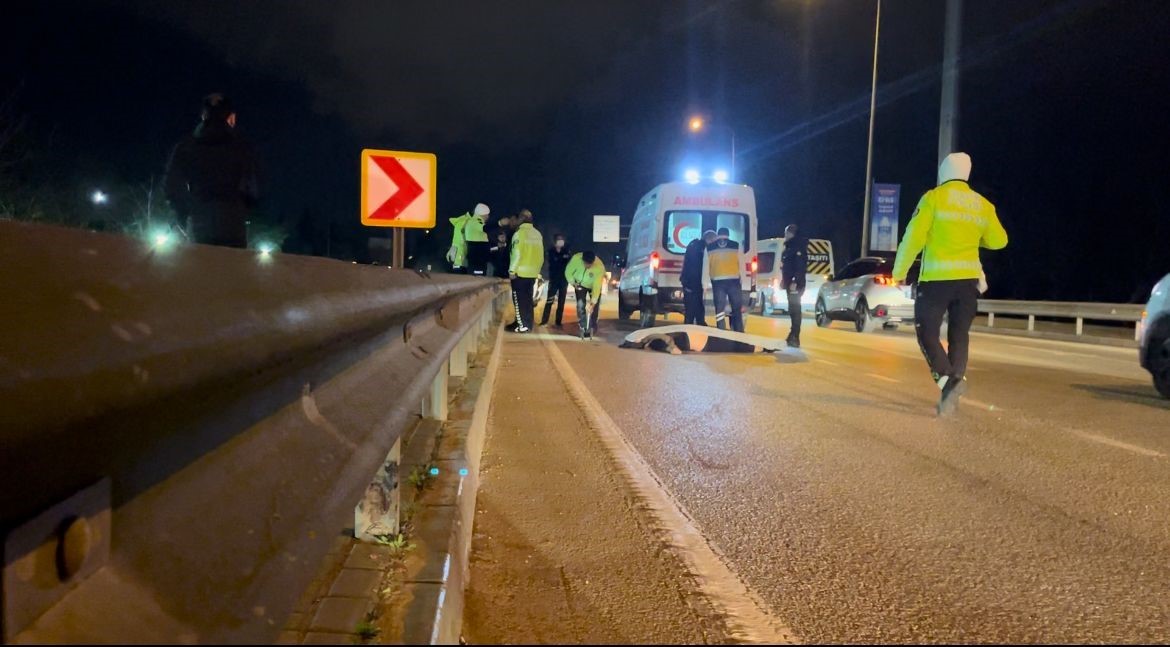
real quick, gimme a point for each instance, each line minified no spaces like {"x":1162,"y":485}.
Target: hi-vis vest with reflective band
{"x":527,"y":252}
{"x":590,"y":277}
{"x":723,"y":259}
{"x":949,"y":226}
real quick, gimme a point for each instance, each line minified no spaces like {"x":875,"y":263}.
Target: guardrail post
{"x":991,"y":320}
{"x":435,"y":404}
{"x":458,"y":361}
{"x":1080,"y":325}
{"x":376,"y":515}
{"x":1031,"y":323}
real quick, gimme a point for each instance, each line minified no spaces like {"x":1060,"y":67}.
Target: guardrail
{"x":186,"y":430}
{"x":1077,"y":311}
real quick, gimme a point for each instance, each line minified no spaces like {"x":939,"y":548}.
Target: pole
{"x":948,"y":120}
{"x":877,"y":26}
{"x":397,"y":247}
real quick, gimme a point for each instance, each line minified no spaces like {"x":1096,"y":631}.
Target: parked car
{"x":865,"y":293}
{"x":1155,"y":336}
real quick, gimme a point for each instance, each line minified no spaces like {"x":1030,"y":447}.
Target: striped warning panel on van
{"x":820,"y":256}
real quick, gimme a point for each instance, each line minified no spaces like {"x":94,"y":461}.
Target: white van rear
{"x":820,"y":267}
{"x":668,"y":218}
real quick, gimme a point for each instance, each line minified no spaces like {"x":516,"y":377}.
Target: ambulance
{"x":669,"y":217}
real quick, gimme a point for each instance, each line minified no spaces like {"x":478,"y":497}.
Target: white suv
{"x":1155,"y":349}
{"x":864,"y":292}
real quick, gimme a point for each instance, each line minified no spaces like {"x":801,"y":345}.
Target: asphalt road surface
{"x":1039,"y":513}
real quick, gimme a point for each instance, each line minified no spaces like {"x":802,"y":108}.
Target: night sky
{"x":577,"y":108}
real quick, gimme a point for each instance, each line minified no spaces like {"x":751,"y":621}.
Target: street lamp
{"x":697,"y":124}
{"x":99,"y":197}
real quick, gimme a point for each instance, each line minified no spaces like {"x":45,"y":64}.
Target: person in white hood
{"x":951,"y":223}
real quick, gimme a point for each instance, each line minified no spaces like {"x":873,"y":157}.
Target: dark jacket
{"x":212,"y":183}
{"x":498,"y":256}
{"x":795,"y":262}
{"x":692,"y":269}
{"x":557,"y":262}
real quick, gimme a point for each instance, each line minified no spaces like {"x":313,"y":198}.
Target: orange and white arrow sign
{"x":398,"y":189}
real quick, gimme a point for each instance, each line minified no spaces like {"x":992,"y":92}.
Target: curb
{"x":446,"y":624}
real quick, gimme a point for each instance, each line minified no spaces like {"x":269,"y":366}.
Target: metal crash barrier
{"x":1078,"y":312}
{"x":186,"y":430}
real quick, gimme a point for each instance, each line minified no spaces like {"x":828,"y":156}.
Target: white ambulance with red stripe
{"x":668,"y":218}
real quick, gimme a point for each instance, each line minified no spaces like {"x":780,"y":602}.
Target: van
{"x":772,"y":296}
{"x":668,"y":218}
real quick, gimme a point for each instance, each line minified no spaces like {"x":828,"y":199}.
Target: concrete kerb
{"x":446,"y":624}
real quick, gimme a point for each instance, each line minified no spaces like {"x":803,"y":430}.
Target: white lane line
{"x":981,"y":405}
{"x":825,"y":361}
{"x":747,"y":616}
{"x":1118,"y":444}
{"x":882,"y":377}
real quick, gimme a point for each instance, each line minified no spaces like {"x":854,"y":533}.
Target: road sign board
{"x":398,"y":189}
{"x":607,"y":229}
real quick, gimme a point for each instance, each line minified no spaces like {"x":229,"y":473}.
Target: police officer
{"x":694,"y":312}
{"x":469,"y":243}
{"x":558,"y":257}
{"x":726,"y":284}
{"x":212,"y":178}
{"x":793,"y":273}
{"x":586,"y":273}
{"x":949,"y":226}
{"x":477,"y":240}
{"x":527,"y":258}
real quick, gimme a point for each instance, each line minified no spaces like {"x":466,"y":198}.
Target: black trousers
{"x":723,"y":292}
{"x":477,"y":258}
{"x":694,"y":312}
{"x":560,"y":288}
{"x":522,"y":300}
{"x":583,"y":297}
{"x":959,"y":301}
{"x":794,"y":315}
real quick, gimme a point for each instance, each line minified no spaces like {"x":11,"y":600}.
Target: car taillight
{"x":755,"y":264}
{"x":654,"y":260}
{"x":883,"y":280}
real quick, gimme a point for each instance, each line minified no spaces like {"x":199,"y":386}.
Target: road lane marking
{"x":747,"y":616}
{"x":1118,"y":444}
{"x":825,"y":361}
{"x":981,"y":405}
{"x":883,"y":377}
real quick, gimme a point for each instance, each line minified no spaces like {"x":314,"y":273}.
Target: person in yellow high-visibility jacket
{"x":586,"y":273}
{"x":527,"y":258}
{"x":949,"y":226}
{"x":469,"y":243}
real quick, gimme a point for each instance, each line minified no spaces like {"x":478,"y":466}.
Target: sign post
{"x":398,"y":191}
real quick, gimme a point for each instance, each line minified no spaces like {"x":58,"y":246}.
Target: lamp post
{"x":877,"y":26}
